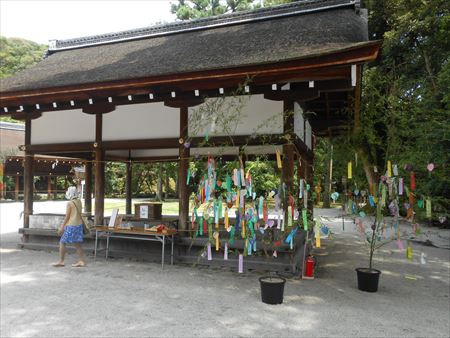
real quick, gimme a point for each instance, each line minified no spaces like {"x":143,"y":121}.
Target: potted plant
{"x":368,"y":277}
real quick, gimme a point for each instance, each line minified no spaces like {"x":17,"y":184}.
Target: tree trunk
{"x":328,"y":174}
{"x":368,"y":170}
{"x":159,"y":184}
{"x":167,"y":184}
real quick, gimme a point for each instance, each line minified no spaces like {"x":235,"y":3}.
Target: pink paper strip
{"x":400,"y":245}
{"x":241,"y":264}
{"x":400,"y":186}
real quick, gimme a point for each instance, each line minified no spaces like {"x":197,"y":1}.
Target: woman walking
{"x":71,"y":229}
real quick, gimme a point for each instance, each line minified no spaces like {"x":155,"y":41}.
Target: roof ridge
{"x":293,"y":8}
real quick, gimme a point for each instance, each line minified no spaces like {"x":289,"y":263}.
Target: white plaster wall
{"x":141,"y":121}
{"x":244,"y":115}
{"x":308,"y":135}
{"x":299,"y":122}
{"x":63,"y":127}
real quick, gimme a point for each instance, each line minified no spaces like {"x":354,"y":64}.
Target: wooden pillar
{"x":55,"y":188}
{"x":49,"y":187}
{"x":88,"y":187}
{"x":17,"y":187}
{"x":182,"y":172}
{"x":99,"y":172}
{"x":300,"y":176}
{"x":287,"y":174}
{"x":28,"y":177}
{"x":128,"y":202}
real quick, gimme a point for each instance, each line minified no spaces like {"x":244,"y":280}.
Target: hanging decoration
{"x":225,"y":252}
{"x":395,"y":169}
{"x":409,"y":251}
{"x":209,"y":252}
{"x":389,"y":169}
{"x":413,"y":181}
{"x":428,"y":208}
{"x":241,"y":264}
{"x":279,"y":163}
{"x":349,"y":170}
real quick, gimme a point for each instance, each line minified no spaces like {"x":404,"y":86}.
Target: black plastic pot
{"x":368,"y":279}
{"x":272,"y":289}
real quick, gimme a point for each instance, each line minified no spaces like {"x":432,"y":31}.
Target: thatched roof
{"x":268,"y":35}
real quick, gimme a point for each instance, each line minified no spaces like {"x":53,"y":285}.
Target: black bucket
{"x":272,"y":289}
{"x":368,"y":279}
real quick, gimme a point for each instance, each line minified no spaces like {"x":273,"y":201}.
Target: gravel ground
{"x":123,"y":298}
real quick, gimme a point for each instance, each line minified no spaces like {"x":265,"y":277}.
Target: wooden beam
{"x":23,"y":116}
{"x":98,"y":108}
{"x":181,"y":103}
{"x":294,"y":95}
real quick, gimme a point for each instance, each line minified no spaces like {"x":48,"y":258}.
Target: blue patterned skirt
{"x":72,"y":234}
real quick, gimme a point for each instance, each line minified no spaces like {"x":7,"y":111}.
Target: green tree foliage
{"x":193,"y":9}
{"x":405,"y":101}
{"x":18,"y":54}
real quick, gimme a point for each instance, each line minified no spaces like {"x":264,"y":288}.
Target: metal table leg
{"x":107,"y":244}
{"x":163,"y":246}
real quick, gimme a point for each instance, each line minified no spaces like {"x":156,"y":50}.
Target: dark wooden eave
{"x":334,"y":65}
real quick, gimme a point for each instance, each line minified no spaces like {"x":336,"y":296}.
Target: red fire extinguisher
{"x":309,"y":267}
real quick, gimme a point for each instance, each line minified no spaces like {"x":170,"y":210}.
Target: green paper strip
{"x":210,"y":231}
{"x":231,"y":240}
{"x":188,"y":176}
{"x":289,"y":212}
{"x":200,"y":225}
{"x":305,"y":219}
{"x":228,"y":183}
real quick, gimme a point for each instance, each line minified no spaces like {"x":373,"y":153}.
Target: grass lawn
{"x":170,"y":207}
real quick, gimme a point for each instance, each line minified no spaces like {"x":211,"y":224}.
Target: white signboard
{"x":112,"y":220}
{"x":143,"y":211}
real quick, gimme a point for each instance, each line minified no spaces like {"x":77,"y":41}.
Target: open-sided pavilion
{"x":130,"y":96}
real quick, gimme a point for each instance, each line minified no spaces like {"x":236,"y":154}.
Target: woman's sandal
{"x":58,"y":265}
{"x":78,"y":265}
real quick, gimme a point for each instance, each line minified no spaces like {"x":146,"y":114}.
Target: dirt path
{"x":126,"y":298}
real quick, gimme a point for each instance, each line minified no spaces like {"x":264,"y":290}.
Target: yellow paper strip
{"x":226,"y":218}
{"x":279,"y":163}
{"x":409,"y":252}
{"x":318,"y":239}
{"x":389,"y":169}
{"x":243,"y":227}
{"x":217,"y":242}
{"x":349,"y":170}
